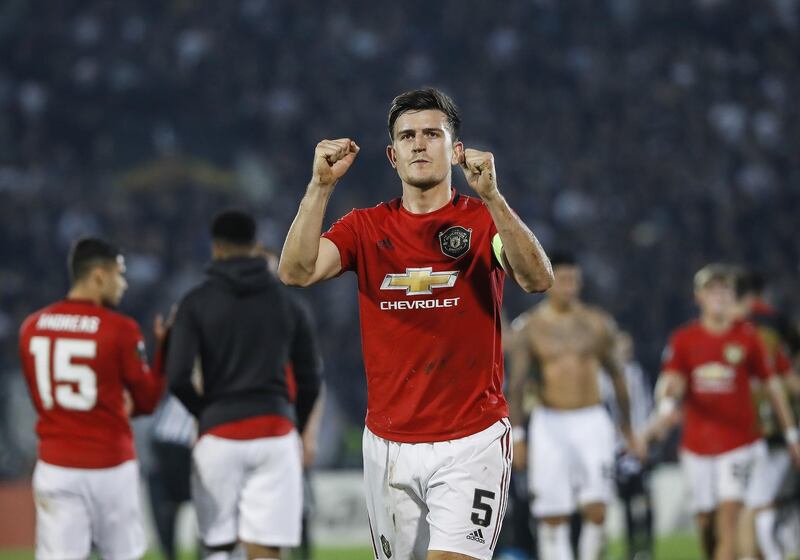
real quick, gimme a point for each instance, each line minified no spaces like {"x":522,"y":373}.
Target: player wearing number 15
{"x":80,"y":358}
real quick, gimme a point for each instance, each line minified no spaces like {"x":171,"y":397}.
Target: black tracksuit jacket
{"x":242,"y":327}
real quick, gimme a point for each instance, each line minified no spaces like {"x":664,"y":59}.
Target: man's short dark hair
{"x":749,"y":282}
{"x":87,"y":253}
{"x":234,"y":227}
{"x":562,"y":258}
{"x":422,"y":99}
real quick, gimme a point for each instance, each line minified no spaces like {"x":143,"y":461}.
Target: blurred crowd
{"x":648,"y":137}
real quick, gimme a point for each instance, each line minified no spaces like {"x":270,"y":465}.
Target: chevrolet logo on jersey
{"x":419,"y":281}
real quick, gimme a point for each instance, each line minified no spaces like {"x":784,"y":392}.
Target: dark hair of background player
{"x":234,"y":227}
{"x":562,"y":258}
{"x":86,"y":254}
{"x":749,"y":282}
{"x":421,"y":100}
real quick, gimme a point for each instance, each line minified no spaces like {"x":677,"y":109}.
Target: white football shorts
{"x":724,"y":477}
{"x":449,"y":495}
{"x":248,"y":490}
{"x":570,"y":459}
{"x":769,"y":474}
{"x":78,"y":508}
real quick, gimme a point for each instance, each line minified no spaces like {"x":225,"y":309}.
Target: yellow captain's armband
{"x":497,"y":248}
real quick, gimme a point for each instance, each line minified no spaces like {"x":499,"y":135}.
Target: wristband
{"x":792,"y":435}
{"x":666,"y":406}
{"x":518,"y":434}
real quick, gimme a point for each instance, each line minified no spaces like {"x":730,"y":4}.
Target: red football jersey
{"x":77,"y":358}
{"x":430,"y":293}
{"x":720,"y":412}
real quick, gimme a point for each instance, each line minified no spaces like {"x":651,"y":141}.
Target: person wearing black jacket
{"x":233,"y":337}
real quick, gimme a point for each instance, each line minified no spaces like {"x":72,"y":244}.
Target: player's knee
{"x":218,"y":552}
{"x":595,"y":513}
{"x":554,"y":521}
{"x":704,"y":520}
{"x":444,"y":555}
{"x":261,"y":552}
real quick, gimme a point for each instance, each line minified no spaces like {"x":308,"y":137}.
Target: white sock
{"x":765,"y":534}
{"x":217,"y":555}
{"x":554,"y":542}
{"x":591,"y":541}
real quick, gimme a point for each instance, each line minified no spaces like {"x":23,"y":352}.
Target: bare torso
{"x":568,"y":347}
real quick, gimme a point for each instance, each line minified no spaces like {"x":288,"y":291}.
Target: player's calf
{"x":261,"y":552}
{"x":706,"y":530}
{"x":727,"y":522}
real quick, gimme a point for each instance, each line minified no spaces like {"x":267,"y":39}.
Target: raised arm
{"x":524,"y":258}
{"x":308,"y":258}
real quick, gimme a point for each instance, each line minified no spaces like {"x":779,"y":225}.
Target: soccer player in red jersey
{"x":430,"y":267}
{"x":771,"y":470}
{"x":85,"y":364}
{"x":710,"y":364}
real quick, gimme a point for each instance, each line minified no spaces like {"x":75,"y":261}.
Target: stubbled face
{"x":716,"y":300}
{"x":423,"y":151}
{"x":111,"y":282}
{"x":567,"y":284}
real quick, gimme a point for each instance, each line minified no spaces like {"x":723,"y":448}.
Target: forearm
{"x":185,"y":392}
{"x":529,"y":263}
{"x":301,"y":248}
{"x":777,"y":396}
{"x":623,"y":402}
{"x":516,"y":400}
{"x":669,"y":392}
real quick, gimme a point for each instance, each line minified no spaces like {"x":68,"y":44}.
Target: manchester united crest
{"x":454,"y":241}
{"x":733,"y":353}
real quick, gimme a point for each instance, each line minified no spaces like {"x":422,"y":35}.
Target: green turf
{"x":676,"y":547}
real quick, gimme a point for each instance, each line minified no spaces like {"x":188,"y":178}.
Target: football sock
{"x":765,"y":534}
{"x":591,"y":541}
{"x":218,"y":555}
{"x":554,"y":542}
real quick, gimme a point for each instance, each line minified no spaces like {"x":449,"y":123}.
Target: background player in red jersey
{"x":430,"y":267}
{"x":770,"y":471}
{"x":80,"y":358}
{"x":710,"y":363}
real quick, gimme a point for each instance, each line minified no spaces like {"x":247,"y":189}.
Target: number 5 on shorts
{"x":478,"y":503}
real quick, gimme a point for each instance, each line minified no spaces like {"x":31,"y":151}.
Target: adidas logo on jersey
{"x":477,"y":536}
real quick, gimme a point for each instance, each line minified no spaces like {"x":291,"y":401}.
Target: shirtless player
{"x":571,"y":455}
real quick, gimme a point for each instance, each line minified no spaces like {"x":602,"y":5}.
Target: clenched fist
{"x":332,"y":159}
{"x":479,"y":170}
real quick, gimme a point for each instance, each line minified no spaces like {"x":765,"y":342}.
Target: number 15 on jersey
{"x":71,"y":386}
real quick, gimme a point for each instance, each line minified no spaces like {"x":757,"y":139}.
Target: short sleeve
{"x":673,"y":358}
{"x":344,"y":234}
{"x":759,"y":361}
{"x":783,"y":366}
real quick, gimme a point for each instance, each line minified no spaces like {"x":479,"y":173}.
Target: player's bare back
{"x":567,"y":346}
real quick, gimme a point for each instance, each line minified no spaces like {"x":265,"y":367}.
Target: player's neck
{"x":561,"y":307}
{"x":425,"y":201}
{"x":716,"y":325}
{"x":82,"y":293}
